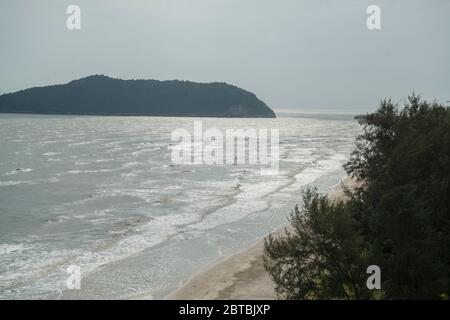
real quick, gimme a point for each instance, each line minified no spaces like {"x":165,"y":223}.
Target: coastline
{"x":241,"y":276}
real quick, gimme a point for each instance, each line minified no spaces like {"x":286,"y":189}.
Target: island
{"x":103,"y":95}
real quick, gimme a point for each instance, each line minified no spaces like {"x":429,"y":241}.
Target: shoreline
{"x":241,"y":276}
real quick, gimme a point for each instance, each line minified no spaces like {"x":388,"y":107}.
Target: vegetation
{"x":399,"y":219}
{"x":101,"y":95}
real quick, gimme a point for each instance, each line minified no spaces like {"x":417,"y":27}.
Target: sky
{"x":314,"y":55}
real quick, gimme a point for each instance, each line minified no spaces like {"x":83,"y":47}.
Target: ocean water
{"x":102,"y":193}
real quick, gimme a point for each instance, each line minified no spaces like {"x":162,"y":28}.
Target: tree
{"x":322,"y":256}
{"x":403,"y":157}
{"x":399,"y":219}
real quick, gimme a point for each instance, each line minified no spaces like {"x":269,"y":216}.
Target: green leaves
{"x":399,"y":219}
{"x":405,"y":162}
{"x":323,"y":257}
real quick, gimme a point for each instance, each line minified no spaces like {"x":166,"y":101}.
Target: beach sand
{"x":241,"y":276}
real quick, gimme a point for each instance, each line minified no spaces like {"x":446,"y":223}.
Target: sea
{"x":94,"y":207}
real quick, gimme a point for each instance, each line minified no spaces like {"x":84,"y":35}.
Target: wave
{"x":14,"y":183}
{"x":18,"y":171}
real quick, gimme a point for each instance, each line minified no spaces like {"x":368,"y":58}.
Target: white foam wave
{"x":19,"y":170}
{"x":14,"y":183}
{"x":250,"y":200}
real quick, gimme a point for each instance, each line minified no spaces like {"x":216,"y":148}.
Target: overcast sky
{"x":312,"y":55}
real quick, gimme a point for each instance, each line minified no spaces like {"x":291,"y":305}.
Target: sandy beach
{"x":241,"y":276}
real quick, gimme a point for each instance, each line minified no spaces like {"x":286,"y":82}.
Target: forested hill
{"x":102,"y":95}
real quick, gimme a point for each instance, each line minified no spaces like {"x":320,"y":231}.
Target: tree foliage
{"x":399,"y":219}
{"x":322,"y":257}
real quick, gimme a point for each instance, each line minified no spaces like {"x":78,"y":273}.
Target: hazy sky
{"x":314,"y":55}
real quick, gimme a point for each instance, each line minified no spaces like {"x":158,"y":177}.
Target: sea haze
{"x":102,"y":193}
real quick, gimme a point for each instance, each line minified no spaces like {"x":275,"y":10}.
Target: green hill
{"x":102,"y":95}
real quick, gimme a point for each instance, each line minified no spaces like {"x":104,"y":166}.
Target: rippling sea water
{"x":102,"y":193}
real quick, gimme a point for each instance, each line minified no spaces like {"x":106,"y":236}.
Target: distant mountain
{"x":102,"y":95}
